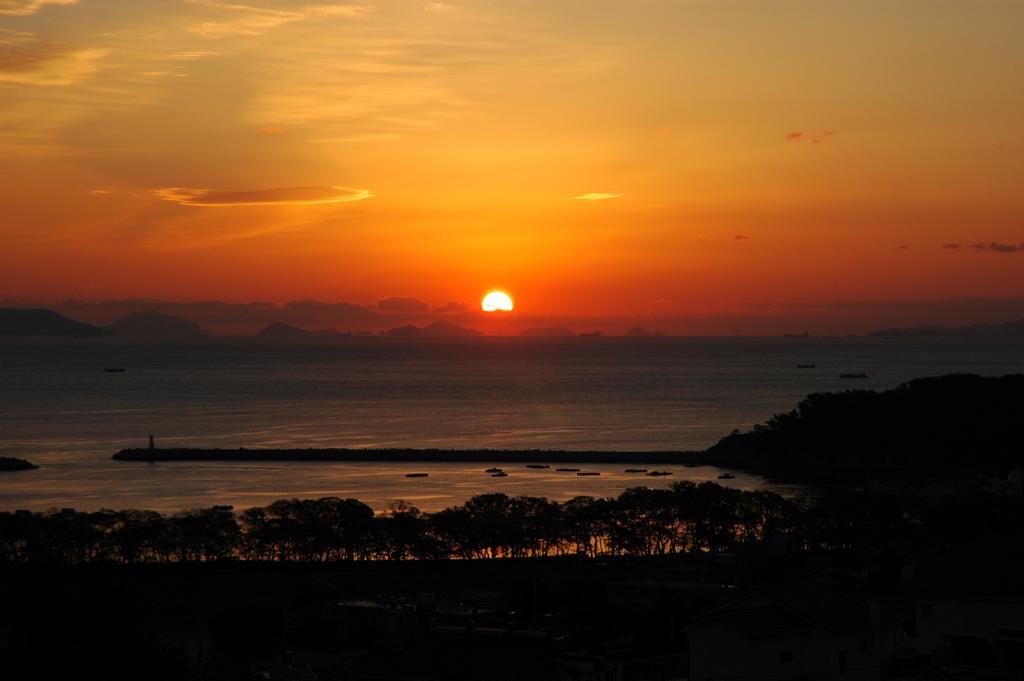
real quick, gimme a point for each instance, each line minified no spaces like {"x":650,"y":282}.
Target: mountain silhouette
{"x":43,"y":322}
{"x":407,"y":331}
{"x":435,"y":330}
{"x":282,"y":330}
{"x":448,"y":330}
{"x":156,"y":325}
{"x":560,"y":331}
{"x":1014,"y":329}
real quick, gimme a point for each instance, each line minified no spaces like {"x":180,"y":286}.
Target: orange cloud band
{"x":290,"y":196}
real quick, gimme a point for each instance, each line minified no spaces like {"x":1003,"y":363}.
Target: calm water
{"x":59,"y":409}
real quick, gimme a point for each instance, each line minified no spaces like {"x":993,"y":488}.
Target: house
{"x":804,"y":631}
{"x":969,"y":613}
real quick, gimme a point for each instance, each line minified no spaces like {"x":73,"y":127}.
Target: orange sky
{"x":675,"y":161}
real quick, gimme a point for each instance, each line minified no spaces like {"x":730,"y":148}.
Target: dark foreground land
{"x":758,"y":613}
{"x":861,"y":581}
{"x":697,"y":581}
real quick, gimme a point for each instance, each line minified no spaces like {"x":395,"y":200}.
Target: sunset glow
{"x":698,"y":167}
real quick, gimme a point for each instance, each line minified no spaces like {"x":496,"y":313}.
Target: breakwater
{"x":407,"y":455}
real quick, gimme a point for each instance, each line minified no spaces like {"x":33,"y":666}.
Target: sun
{"x":497,"y":301}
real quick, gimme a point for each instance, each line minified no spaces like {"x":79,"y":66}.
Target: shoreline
{"x":408,"y":455}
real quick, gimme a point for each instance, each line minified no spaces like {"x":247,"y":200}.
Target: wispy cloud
{"x":26,"y":59}
{"x":188,"y":196}
{"x":741,"y":237}
{"x":24,"y":8}
{"x":998,"y":247}
{"x":951,"y":247}
{"x":597,"y":196}
{"x":254,"y":21}
{"x":193,"y":55}
{"x":812,"y":137}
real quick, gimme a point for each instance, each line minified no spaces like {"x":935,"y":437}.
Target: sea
{"x":60,"y":409}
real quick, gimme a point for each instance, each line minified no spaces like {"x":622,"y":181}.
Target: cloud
{"x":193,"y":55}
{"x":812,"y":137}
{"x":741,"y":237}
{"x":951,"y":247}
{"x":26,"y":59}
{"x":998,"y":247}
{"x":452,"y":307}
{"x":23,"y":8}
{"x":597,"y":196}
{"x":254,"y":21}
{"x":400,"y":304}
{"x":293,"y":196}
{"x":756,"y":306}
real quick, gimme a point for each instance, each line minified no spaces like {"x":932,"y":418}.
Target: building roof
{"x":758,"y":613}
{"x":769,"y":621}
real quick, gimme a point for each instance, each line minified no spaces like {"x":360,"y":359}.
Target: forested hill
{"x":927,"y":427}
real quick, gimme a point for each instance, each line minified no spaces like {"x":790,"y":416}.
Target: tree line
{"x":684,"y":518}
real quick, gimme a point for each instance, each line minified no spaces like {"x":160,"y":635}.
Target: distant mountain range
{"x":138,"y":325}
{"x":21,"y":322}
{"x":639,"y":332}
{"x":151,"y":325}
{"x":550,"y":331}
{"x":154,"y":325}
{"x":435,"y":330}
{"x":283,"y":331}
{"x":1014,"y":329}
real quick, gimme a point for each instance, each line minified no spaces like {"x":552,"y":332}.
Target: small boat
{"x":635,"y":470}
{"x":499,"y":474}
{"x":568,"y":470}
{"x":114,"y":370}
{"x":805,"y":366}
{"x":691,"y":464}
{"x":492,"y":470}
{"x":658,"y":474}
{"x":853,"y":375}
{"x":416,"y":475}
{"x":588,"y":473}
{"x":537,"y":465}
{"x":726,"y":476}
